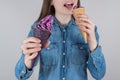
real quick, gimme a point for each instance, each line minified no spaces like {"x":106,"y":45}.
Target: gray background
{"x":17,"y":16}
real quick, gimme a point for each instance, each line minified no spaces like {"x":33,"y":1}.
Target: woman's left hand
{"x":84,"y":20}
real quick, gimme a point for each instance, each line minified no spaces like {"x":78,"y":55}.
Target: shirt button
{"x":81,"y":48}
{"x":48,"y":48}
{"x":63,"y":78}
{"x":63,"y":66}
{"x":63,"y":41}
{"x":64,"y":53}
{"x":23,"y":72}
{"x":63,"y":30}
{"x":21,"y":77}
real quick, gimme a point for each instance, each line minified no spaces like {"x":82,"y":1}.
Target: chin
{"x":68,"y":13}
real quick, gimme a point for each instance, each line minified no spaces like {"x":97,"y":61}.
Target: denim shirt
{"x":67,"y":57}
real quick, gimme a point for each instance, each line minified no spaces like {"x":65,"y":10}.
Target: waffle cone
{"x":77,"y":11}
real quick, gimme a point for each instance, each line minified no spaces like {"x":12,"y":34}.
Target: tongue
{"x":68,"y":6}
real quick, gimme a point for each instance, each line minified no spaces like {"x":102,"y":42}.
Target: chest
{"x":71,"y":34}
{"x":67,"y":42}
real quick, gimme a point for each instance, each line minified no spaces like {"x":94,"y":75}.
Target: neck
{"x":63,"y":19}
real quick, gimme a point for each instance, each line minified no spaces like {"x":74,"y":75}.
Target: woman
{"x":65,"y":56}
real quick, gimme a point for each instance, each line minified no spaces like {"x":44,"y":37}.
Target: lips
{"x":69,"y":6}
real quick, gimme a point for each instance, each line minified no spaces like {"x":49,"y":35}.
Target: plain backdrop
{"x":17,"y":16}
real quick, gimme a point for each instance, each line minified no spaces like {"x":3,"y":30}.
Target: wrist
{"x":93,"y":46}
{"x":28,"y":63}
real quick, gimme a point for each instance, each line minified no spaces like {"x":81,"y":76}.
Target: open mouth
{"x":69,"y":5}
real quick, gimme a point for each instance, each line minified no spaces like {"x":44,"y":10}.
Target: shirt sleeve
{"x":96,"y":61}
{"x":21,"y":71}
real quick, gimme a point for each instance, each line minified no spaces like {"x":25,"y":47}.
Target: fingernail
{"x":39,"y":40}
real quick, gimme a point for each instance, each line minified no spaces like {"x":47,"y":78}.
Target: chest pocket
{"x":79,"y":54}
{"x":48,"y":55}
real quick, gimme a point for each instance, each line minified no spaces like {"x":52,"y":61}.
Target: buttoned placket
{"x":63,"y":54}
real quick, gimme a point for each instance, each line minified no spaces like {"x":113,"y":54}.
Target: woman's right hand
{"x":31,"y":46}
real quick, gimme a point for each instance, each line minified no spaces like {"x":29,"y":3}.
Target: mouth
{"x":69,"y":6}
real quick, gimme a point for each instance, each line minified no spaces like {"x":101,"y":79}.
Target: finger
{"x":86,"y":18}
{"x":86,"y":25}
{"x":82,"y":16}
{"x":46,"y":44}
{"x":34,"y":55}
{"x":87,"y":21}
{"x":27,"y":46}
{"x":32,"y":45}
{"x":32,"y":39}
{"x":31,"y":51}
{"x":85,"y":30}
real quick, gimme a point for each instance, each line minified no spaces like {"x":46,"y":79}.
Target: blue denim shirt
{"x":67,"y":57}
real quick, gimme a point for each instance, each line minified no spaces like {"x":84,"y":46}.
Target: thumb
{"x":46,"y":44}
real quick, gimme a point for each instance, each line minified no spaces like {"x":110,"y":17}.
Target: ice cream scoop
{"x":43,"y":29}
{"x":45,"y":23}
{"x":76,"y":11}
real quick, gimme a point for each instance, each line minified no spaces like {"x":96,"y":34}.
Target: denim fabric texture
{"x":67,"y":57}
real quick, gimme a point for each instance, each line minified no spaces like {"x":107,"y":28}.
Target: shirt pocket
{"x":48,"y":55}
{"x":79,"y":54}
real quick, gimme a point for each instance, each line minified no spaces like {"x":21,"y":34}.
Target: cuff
{"x":96,"y":57}
{"x":25,"y":73}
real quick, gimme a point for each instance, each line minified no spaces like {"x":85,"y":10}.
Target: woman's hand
{"x":84,"y":20}
{"x":31,"y":46}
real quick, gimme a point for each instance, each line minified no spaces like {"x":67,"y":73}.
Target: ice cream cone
{"x":43,"y":28}
{"x":77,"y":11}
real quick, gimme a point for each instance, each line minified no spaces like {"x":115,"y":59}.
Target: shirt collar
{"x":56,"y":23}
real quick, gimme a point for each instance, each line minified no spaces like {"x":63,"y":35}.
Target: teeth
{"x":69,"y":3}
